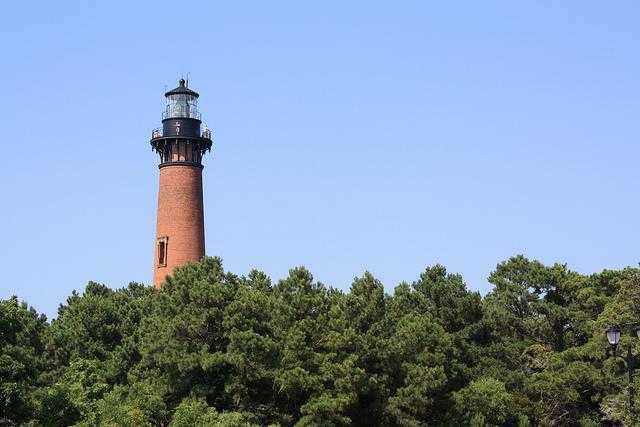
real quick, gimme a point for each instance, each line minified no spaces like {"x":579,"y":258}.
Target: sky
{"x":348,"y":137}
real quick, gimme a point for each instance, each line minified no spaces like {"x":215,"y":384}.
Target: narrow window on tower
{"x":187,"y":152}
{"x":162,"y":252}
{"x":174,"y":151}
{"x":183,"y":153}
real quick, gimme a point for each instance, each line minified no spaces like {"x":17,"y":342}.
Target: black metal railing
{"x":157,"y":133}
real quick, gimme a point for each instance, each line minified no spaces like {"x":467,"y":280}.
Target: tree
{"x":484,"y":399}
{"x":21,"y":360}
{"x":214,"y":348}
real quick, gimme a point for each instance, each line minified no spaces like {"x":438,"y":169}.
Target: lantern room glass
{"x":181,"y":106}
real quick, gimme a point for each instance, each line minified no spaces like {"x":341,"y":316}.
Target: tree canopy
{"x":212,"y":348}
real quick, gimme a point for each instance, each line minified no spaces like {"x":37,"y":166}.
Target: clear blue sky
{"x":349,"y":136}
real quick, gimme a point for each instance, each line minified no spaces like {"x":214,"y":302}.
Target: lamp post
{"x":630,"y":361}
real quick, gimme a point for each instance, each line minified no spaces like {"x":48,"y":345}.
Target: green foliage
{"x":484,"y":401}
{"x":196,"y":413}
{"x":21,"y":360}
{"x":215,"y":349}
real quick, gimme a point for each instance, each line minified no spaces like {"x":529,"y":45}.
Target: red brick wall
{"x":180,"y":218}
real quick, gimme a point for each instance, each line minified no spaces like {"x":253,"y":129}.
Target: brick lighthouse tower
{"x":180,"y":143}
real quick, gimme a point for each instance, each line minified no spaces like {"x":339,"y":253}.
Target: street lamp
{"x":613,"y":335}
{"x":630,"y":361}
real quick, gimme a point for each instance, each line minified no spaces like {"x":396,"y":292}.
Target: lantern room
{"x":182,"y":102}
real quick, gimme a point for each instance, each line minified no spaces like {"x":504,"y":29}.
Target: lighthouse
{"x":180,"y":144}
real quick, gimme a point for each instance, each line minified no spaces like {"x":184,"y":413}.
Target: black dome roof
{"x":182,"y":90}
